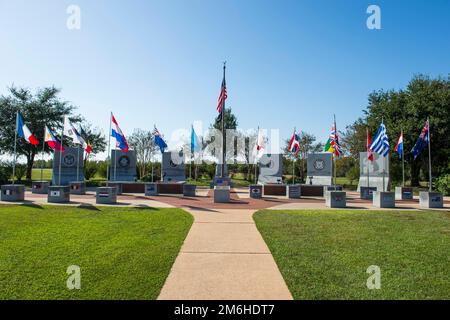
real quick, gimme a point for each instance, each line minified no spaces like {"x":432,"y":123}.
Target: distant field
{"x":123,"y":253}
{"x":325,"y":254}
{"x":46,"y":174}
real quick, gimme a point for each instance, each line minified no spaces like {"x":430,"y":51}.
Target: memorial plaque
{"x":71,"y":157}
{"x":271,"y":169}
{"x":429,"y":200}
{"x":256,"y":191}
{"x":12,"y":192}
{"x":123,"y":166}
{"x":319,"y":167}
{"x":383,"y":199}
{"x":173,"y":167}
{"x":221,"y":194}
{"x":403,"y":193}
{"x":106,"y":195}
{"x":376,"y":167}
{"x":336,"y":199}
{"x":294,"y":191}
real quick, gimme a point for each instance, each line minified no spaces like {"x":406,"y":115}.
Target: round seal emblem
{"x":69,"y":160}
{"x":319,"y":164}
{"x":124,"y":161}
{"x":172,"y":164}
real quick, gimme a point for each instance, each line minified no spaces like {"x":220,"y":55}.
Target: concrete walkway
{"x":224,"y":257}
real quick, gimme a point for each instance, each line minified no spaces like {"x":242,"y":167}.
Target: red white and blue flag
{"x":24,"y":132}
{"x":422,"y":141}
{"x":294,"y":144}
{"x":399,"y":147}
{"x":116,"y":133}
{"x":223,"y":95}
{"x":52,"y":141}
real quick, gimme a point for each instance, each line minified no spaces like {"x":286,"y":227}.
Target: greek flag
{"x":380,"y":143}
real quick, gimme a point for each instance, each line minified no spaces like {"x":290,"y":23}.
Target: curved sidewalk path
{"x":224,"y":257}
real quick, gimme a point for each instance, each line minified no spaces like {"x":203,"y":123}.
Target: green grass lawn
{"x":123,"y":253}
{"x":46,"y":174}
{"x":325,"y":254}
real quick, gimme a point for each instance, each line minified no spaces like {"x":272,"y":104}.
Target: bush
{"x":90,"y":169}
{"x":21,"y":171}
{"x":102,"y":168}
{"x":442,"y":184}
{"x":352,"y":174}
{"x":5,"y":172}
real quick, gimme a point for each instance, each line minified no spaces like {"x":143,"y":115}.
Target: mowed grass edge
{"x":123,"y":253}
{"x":324,"y":254}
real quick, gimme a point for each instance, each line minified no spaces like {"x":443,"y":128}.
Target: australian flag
{"x":159,"y":141}
{"x":422,"y":141}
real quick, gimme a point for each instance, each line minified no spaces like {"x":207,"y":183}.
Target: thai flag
{"x":399,"y":147}
{"x":116,"y":133}
{"x":294,"y":144}
{"x":52,"y":141}
{"x":24,"y":132}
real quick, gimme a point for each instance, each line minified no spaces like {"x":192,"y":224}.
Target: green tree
{"x":408,"y":110}
{"x":42,"y":108}
{"x":95,"y":137}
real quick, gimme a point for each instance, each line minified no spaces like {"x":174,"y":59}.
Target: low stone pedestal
{"x":77,"y":187}
{"x":366,"y":193}
{"x":117,"y":185}
{"x":403,"y":193}
{"x":218,"y":181}
{"x":310,"y":190}
{"x":429,"y":200}
{"x":336,"y":199}
{"x":222,"y":194}
{"x":256,"y":191}
{"x":383,"y":199}
{"x":106,"y":195}
{"x":275,"y":190}
{"x":294,"y":191}
{"x":58,"y":194}
{"x":39,"y":187}
{"x":189,"y":190}
{"x":170,"y":188}
{"x":151,"y":189}
{"x":13,"y":192}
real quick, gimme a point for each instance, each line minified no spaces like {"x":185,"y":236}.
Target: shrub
{"x":442,"y":184}
{"x":90,"y":169}
{"x":5,"y":172}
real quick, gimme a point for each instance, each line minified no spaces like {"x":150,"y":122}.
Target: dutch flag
{"x":116,"y":133}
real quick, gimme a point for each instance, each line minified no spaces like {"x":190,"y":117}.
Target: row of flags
{"x":379,"y":145}
{"x":78,"y":137}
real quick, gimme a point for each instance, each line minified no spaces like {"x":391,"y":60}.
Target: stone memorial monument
{"x":123,"y":166}
{"x":173,"y":167}
{"x":71,"y":160}
{"x":319,"y":169}
{"x":271,"y":169}
{"x":378,"y":168}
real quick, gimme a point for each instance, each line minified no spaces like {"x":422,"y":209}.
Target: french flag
{"x":24,"y":132}
{"x":52,"y":141}
{"x":116,"y":133}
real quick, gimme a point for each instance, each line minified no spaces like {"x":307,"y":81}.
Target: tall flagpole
{"x":293,"y":161}
{"x":368,"y":161}
{"x":429,"y":155}
{"x":192,"y":154}
{"x":15,"y":148}
{"x":335,"y":146}
{"x":403,"y":160}
{"x":43,"y":152}
{"x":108,"y":176}
{"x":223,"y":125}
{"x":60,"y":157}
{"x":256,"y":162}
{"x":78,"y":163}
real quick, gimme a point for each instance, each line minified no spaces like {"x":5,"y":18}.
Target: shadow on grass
{"x":87,"y":206}
{"x":30,"y":204}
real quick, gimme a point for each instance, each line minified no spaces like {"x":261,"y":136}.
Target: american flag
{"x":223,"y":95}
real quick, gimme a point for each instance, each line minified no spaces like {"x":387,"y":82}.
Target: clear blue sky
{"x":290,"y":63}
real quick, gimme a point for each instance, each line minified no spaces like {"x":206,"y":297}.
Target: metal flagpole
{"x":368,"y":162}
{"x":108,"y":176}
{"x":334,"y":153}
{"x":256,"y":162}
{"x":78,"y":164}
{"x":403,"y":160}
{"x":60,"y":157}
{"x":293,"y":162}
{"x":429,"y":155}
{"x":223,"y":125}
{"x":43,"y":152}
{"x":192,"y":155}
{"x":15,"y":148}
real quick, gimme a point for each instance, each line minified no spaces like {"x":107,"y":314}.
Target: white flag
{"x":70,"y":131}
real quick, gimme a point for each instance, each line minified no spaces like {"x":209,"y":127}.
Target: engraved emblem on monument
{"x":69,"y":160}
{"x":319,"y":164}
{"x":124,"y":161}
